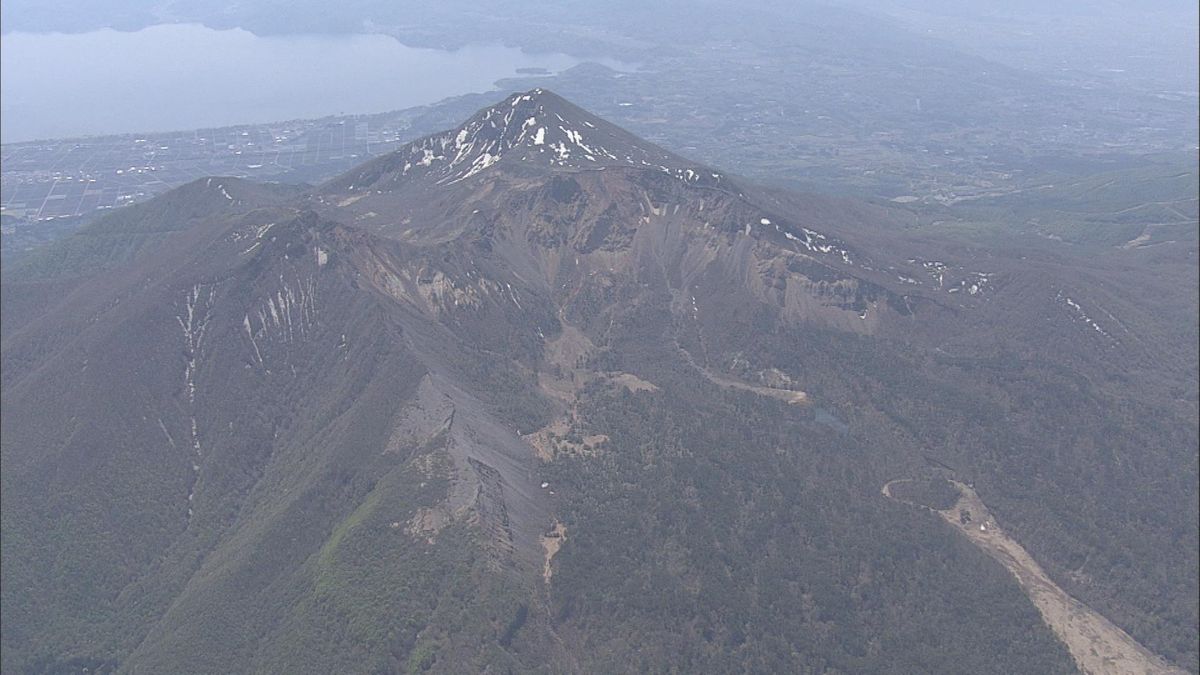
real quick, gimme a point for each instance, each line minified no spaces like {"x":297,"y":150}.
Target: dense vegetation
{"x":761,"y":544}
{"x":934,"y":493}
{"x":1086,"y":477}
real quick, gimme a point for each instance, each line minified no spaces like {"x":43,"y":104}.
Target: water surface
{"x":186,"y":76}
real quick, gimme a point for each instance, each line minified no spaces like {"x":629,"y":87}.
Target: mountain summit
{"x":534,"y":395}
{"x":537,"y":128}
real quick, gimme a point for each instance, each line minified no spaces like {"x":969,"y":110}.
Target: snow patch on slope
{"x":528,"y":128}
{"x":193,"y":320}
{"x":1080,"y":315}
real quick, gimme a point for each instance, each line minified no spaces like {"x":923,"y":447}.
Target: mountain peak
{"x":536,"y":128}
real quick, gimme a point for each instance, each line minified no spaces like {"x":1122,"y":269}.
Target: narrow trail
{"x":1098,"y":646}
{"x":790,"y":396}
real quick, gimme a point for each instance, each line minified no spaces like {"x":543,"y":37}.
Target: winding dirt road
{"x":1098,"y":646}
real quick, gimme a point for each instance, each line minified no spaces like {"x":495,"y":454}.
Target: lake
{"x":186,"y":76}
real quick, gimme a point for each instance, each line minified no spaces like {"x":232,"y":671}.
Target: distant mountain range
{"x":535,"y":395}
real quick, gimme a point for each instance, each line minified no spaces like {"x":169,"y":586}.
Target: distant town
{"x":48,"y":180}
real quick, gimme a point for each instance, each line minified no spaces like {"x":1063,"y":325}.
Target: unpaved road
{"x":789,"y":396}
{"x":1098,"y":646}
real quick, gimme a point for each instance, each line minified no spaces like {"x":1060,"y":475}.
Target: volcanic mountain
{"x":535,"y":395}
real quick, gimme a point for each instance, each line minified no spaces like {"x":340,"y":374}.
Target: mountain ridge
{"x":445,"y":420}
{"x":527,"y":127}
